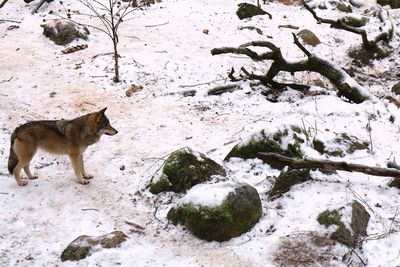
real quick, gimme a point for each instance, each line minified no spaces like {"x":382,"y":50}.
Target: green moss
{"x":343,"y":235}
{"x":246,"y":10}
{"x":263,"y":142}
{"x":287,"y":179}
{"x":236,"y":215}
{"x":75,"y":253}
{"x":344,"y":8}
{"x":329,"y":218}
{"x":183,"y":169}
{"x":355,"y":22}
{"x":162,"y":184}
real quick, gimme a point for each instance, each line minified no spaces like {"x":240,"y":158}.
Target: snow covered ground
{"x":164,"y":49}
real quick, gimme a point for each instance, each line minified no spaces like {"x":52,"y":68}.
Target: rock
{"x":183,"y":169}
{"x":344,"y":8}
{"x":218,"y":212}
{"x":308,"y":37}
{"x":396,"y":88}
{"x":286,"y":141}
{"x":63,"y":32}
{"x":248,"y":10}
{"x":287,"y":179}
{"x":354,"y":21}
{"x":84,"y":245}
{"x":359,"y":222}
{"x":391,"y":3}
{"x":340,"y":145}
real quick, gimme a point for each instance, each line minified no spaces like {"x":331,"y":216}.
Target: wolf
{"x":70,"y":137}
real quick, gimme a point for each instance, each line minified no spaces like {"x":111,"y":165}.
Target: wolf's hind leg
{"x":25,"y":152}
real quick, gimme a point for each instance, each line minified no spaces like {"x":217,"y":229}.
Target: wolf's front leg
{"x":84,"y":174}
{"x":76,"y":164}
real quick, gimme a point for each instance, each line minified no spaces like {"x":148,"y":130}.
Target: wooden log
{"x":328,"y":165}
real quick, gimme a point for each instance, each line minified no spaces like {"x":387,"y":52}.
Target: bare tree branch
{"x":346,"y":86}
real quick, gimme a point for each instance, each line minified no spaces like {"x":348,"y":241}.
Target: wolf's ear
{"x":102,"y":111}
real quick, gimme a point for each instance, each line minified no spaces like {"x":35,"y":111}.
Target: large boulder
{"x":63,"y":32}
{"x":84,"y":245}
{"x":218,"y":211}
{"x":183,"y":169}
{"x":286,"y":141}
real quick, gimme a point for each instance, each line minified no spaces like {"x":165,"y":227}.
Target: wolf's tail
{"x":12,"y":159}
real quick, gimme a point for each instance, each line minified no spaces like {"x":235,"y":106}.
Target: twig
{"x":199,"y":84}
{"x":289,"y":27}
{"x":162,"y":24}
{"x":38,"y":6}
{"x":4,"y":81}
{"x":393,"y":165}
{"x":3,"y":193}
{"x":86,"y":209}
{"x":9,"y":20}
{"x":102,"y":54}
{"x":135,"y":225}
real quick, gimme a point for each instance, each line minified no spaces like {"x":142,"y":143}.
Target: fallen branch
{"x":219,"y":90}
{"x":135,"y":225}
{"x":4,"y":81}
{"x":38,"y":6}
{"x":86,"y":209}
{"x":3,"y":3}
{"x":9,"y":20}
{"x":328,"y":165}
{"x":370,"y":45}
{"x":345,"y":85}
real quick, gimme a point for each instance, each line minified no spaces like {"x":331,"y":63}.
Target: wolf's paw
{"x":33,"y":177}
{"x":84,"y":182}
{"x":87,"y":176}
{"x":22,"y":183}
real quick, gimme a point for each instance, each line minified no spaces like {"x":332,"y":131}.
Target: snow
{"x":163,"y":48}
{"x":208,"y":195}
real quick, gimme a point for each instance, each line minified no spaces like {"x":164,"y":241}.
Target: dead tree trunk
{"x":345,"y":85}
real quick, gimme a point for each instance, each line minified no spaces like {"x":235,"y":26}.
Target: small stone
{"x":308,"y":37}
{"x":396,"y":88}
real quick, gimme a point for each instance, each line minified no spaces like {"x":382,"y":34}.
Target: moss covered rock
{"x":355,"y":21}
{"x":287,"y":179}
{"x":82,"y":246}
{"x":219,"y":211}
{"x":246,"y":10}
{"x":359,"y":222}
{"x":339,"y":145}
{"x":183,"y":169}
{"x":286,"y":141}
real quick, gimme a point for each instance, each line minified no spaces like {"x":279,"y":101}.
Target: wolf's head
{"x":103,"y":124}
